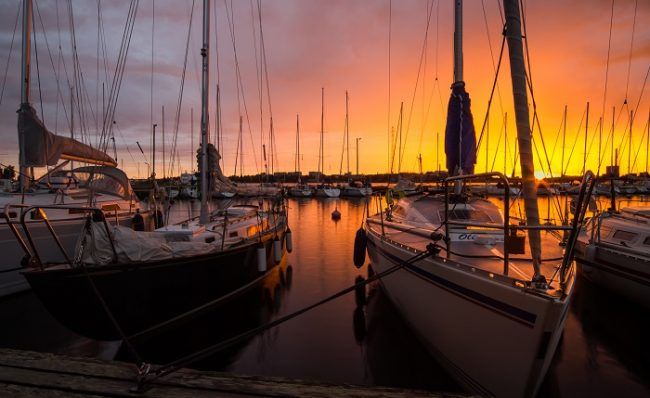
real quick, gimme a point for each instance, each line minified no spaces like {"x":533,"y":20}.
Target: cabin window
{"x":233,"y":234}
{"x":646,"y":241}
{"x":624,"y":235}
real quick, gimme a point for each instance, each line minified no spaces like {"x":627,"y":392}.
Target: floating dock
{"x":35,"y":374}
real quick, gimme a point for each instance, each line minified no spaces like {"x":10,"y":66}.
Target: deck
{"x":34,"y":374}
{"x":519,"y":264}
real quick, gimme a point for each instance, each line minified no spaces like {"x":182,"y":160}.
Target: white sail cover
{"x":94,"y":247}
{"x":40,"y":148}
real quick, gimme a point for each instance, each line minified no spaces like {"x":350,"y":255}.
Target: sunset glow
{"x":343,"y":46}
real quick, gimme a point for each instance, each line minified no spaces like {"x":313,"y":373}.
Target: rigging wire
{"x":566,"y":166}
{"x":629,"y":64}
{"x":179,"y":100}
{"x":268,"y":87}
{"x":241,"y":97}
{"x":609,"y":49}
{"x":107,"y":126}
{"x":417,"y":81}
{"x":11,"y":46}
{"x":38,"y":69}
{"x":258,"y":76}
{"x":54,"y":69}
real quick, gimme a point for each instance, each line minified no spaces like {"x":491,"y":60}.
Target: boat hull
{"x":11,"y":280}
{"x":625,"y":274}
{"x":145,"y":294}
{"x":493,"y":338}
{"x":356,"y":192}
{"x":223,"y":195}
{"x":301,"y":193}
{"x":328,"y":192}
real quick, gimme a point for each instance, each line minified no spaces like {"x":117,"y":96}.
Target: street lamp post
{"x":358,"y":139}
{"x":153,"y":155}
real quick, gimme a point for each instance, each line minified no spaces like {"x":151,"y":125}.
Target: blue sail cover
{"x":459,"y":109}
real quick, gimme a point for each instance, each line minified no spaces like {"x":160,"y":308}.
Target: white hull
{"x":492,"y":336}
{"x":629,"y":278}
{"x":614,"y":254}
{"x":173,"y":193}
{"x":328,"y":192}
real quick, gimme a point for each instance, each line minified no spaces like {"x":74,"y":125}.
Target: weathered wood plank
{"x":25,"y":372}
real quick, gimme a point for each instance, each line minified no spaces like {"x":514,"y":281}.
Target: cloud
{"x":336,"y":44}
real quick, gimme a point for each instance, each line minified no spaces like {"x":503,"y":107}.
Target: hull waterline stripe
{"x":516,"y":314}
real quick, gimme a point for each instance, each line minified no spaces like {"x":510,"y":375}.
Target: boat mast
{"x":347,"y":130}
{"x":458,"y":76}
{"x":584,"y":159}
{"x":321,"y":160}
{"x":647,"y":142}
{"x":205,"y":81}
{"x":524,"y":137}
{"x":563,"y":142}
{"x":629,"y":154}
{"x":24,"y":90}
{"x":192,"y":139}
{"x":297,"y":163}
{"x":458,"y":41}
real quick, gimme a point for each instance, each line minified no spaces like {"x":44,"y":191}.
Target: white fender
{"x":261,"y":258}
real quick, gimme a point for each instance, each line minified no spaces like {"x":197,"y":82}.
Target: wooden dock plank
{"x":26,"y":373}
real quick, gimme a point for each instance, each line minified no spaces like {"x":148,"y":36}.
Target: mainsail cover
{"x":217,"y":181}
{"x":460,"y":136}
{"x":39,"y":147}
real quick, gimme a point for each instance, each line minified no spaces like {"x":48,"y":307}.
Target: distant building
{"x":315,"y":175}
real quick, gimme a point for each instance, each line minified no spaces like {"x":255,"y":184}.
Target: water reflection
{"x":253,"y":308}
{"x":604,"y":347}
{"x":359,"y":338}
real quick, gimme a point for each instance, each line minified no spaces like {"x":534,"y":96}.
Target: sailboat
{"x":300,"y":190}
{"x":613,"y":248}
{"x":352,"y":188}
{"x":323,"y":189}
{"x":120,"y":282}
{"x":490,"y":309}
{"x":101,"y":184}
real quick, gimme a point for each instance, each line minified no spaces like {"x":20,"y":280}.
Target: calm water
{"x":360,"y":339}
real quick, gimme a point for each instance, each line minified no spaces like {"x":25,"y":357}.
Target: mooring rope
{"x":211,"y":350}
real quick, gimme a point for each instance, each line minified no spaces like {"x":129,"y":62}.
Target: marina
{"x":401,"y":266}
{"x":601,"y":353}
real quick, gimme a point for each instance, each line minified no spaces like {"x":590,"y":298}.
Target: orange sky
{"x":342,"y":45}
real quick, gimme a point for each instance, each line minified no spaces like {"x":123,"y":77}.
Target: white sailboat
{"x":145,"y":278}
{"x":103,"y":185}
{"x":352,"y":188}
{"x":300,"y":190}
{"x":488,"y":308}
{"x":323,"y":189}
{"x":614,"y":252}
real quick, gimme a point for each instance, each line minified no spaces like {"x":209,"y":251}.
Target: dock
{"x":36,"y":374}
